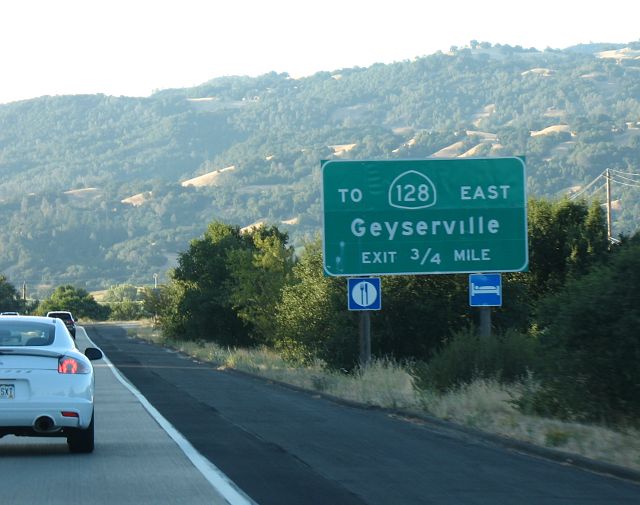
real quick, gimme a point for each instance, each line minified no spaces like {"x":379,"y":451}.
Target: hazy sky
{"x":133,"y":47}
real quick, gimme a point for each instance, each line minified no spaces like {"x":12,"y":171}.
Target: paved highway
{"x":135,"y":460}
{"x":282,"y":446}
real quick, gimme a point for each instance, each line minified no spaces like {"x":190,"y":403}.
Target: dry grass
{"x":208,"y":179}
{"x":138,"y":199}
{"x":559,"y":128}
{"x":450,"y":151}
{"x":483,"y":404}
{"x":489,"y":406}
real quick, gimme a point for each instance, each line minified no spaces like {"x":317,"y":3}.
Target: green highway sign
{"x":428,"y":216}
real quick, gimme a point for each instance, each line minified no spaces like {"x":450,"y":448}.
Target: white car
{"x":46,"y":383}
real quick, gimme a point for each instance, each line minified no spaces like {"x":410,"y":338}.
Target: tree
{"x":312,"y":318}
{"x":227,"y":285}
{"x":257,"y":277}
{"x":565,"y":239}
{"x":152,"y":302}
{"x":420,"y":313}
{"x":126,"y":310}
{"x":126,"y":302}
{"x":75,"y":300}
{"x":9,"y":296}
{"x":122,"y":293}
{"x":165,"y":303}
{"x":199,"y":295}
{"x":590,"y":331}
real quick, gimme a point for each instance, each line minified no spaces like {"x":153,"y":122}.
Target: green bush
{"x":126,"y":310}
{"x":557,"y":398}
{"x":592,"y":344}
{"x":312,"y":320}
{"x":76,"y":300}
{"x":466,"y":357}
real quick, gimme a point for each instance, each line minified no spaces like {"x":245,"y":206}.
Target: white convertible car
{"x":46,"y":383}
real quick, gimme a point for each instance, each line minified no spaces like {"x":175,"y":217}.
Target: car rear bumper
{"x":73,"y":413}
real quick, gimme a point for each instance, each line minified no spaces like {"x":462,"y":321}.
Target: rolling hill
{"x":99,"y":190}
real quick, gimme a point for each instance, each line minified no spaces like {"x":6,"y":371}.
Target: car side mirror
{"x":93,"y":353}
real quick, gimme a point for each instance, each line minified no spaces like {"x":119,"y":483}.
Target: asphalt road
{"x":282,"y":446}
{"x":135,"y":461}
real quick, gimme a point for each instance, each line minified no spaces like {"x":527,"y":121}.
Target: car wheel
{"x":81,"y":441}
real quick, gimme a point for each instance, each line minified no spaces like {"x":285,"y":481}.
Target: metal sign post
{"x":484,"y":329}
{"x":365,"y":338}
{"x":364,"y":294}
{"x":423,"y":216}
{"x":485,"y":291}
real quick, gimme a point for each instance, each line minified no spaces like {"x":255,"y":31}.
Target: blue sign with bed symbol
{"x":485,"y":290}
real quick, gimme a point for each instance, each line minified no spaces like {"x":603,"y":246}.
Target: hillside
{"x":100,"y":190}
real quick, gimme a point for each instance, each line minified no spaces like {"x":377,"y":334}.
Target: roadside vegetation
{"x":560,"y":369}
{"x":485,"y":404}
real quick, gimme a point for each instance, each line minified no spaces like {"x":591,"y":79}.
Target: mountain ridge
{"x":275,"y":130}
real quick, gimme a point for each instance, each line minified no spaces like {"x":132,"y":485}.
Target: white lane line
{"x":222,"y":484}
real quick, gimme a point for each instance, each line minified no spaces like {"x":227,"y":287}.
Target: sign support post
{"x":421,"y":217}
{"x":365,"y":338}
{"x":485,"y":322}
{"x":485,"y":291}
{"x":364,"y":294}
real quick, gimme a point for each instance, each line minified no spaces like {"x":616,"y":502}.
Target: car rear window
{"x":65,"y":316}
{"x":18,"y":333}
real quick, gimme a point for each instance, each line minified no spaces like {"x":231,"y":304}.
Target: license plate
{"x":7,"y":391}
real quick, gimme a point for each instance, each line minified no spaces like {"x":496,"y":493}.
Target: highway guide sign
{"x":364,"y":293}
{"x":485,"y":290}
{"x":427,"y":216}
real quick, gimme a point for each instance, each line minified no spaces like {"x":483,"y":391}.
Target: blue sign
{"x":364,"y":293}
{"x":485,"y":290}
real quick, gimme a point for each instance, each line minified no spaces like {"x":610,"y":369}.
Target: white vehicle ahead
{"x":46,"y":383}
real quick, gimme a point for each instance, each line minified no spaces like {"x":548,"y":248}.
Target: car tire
{"x":81,"y":441}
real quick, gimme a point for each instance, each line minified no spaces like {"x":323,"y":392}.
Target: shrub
{"x":126,"y":310}
{"x":592,"y":344}
{"x":466,"y":357}
{"x":311,"y":318}
{"x":76,"y":300}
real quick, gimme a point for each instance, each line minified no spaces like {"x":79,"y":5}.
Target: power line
{"x":625,"y":183}
{"x":618,"y":176}
{"x":615,"y":177}
{"x":623,"y":173}
{"x":610,"y":176}
{"x":621,"y":176}
{"x":583,"y":190}
{"x":600,"y":188}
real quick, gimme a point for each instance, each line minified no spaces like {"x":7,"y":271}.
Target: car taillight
{"x":67,"y":364}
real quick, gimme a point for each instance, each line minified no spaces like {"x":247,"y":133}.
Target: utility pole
{"x":155,"y":299}
{"x":608,"y":178}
